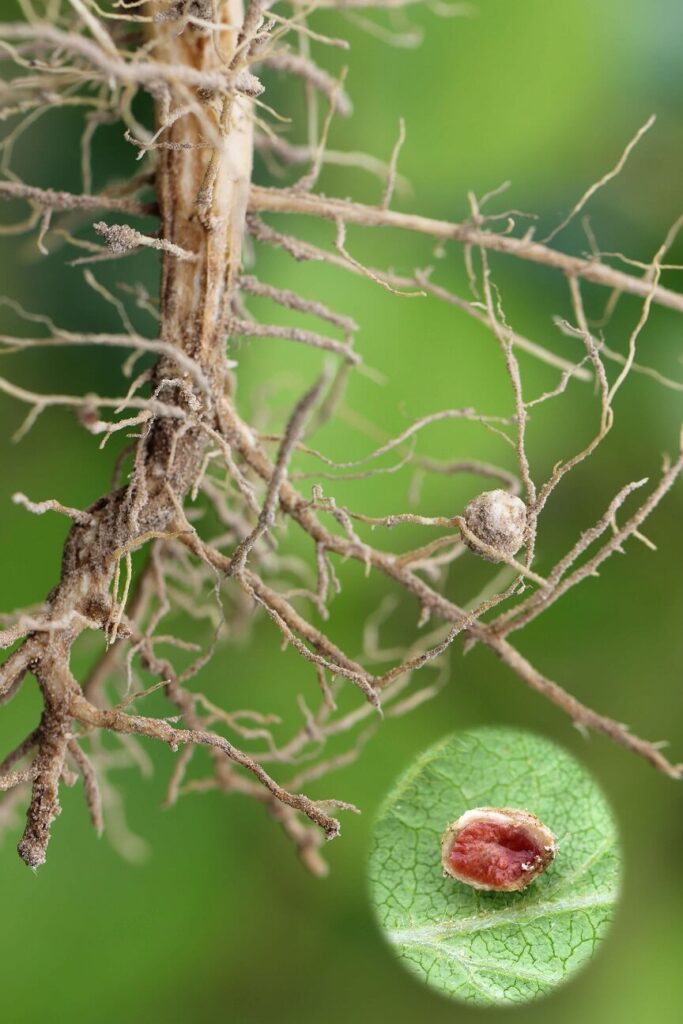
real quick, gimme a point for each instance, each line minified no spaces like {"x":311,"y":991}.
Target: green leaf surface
{"x":484,"y":947}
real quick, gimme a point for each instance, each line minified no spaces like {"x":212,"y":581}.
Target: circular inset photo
{"x":495,"y":867}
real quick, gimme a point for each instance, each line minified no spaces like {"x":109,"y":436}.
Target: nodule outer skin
{"x":524,"y":824}
{"x":499,"y":519}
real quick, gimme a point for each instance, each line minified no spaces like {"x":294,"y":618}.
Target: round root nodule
{"x":498,"y":519}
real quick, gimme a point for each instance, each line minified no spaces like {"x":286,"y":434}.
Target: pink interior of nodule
{"x":495,"y":854}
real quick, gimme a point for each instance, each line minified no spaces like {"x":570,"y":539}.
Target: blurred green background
{"x":220,"y":922}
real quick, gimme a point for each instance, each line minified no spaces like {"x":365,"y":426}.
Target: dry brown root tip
{"x":498,"y":519}
{"x":497,"y":849}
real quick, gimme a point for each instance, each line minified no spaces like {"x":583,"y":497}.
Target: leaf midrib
{"x":472,"y":967}
{"x":428,"y":934}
